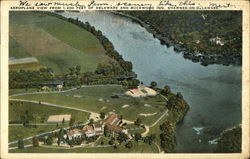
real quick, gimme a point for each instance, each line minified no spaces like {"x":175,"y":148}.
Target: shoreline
{"x":203,"y":59}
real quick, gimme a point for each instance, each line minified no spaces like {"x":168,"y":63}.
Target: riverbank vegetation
{"x":205,"y":36}
{"x":178,"y":108}
{"x":230,"y":141}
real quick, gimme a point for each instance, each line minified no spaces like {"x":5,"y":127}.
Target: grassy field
{"x":56,"y":43}
{"x":98,"y":99}
{"x":40,"y":112}
{"x":139,"y":147}
{"x":26,"y":66}
{"x":16,"y":50}
{"x":15,"y":91}
{"x":20,"y":132}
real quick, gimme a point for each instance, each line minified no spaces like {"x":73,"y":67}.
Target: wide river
{"x":213,"y":92}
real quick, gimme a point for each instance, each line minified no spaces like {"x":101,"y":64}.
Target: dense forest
{"x":205,"y":36}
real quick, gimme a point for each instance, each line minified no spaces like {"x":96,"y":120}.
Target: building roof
{"x":110,"y":118}
{"x":99,"y":132}
{"x":88,"y":128}
{"x":74,"y":131}
{"x":97,"y":125}
{"x":114,"y":128}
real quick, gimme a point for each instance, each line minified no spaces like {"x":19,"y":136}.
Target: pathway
{"x":68,"y":90}
{"x":34,"y":124}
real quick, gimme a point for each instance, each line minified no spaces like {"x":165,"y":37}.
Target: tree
{"x":122,"y":137}
{"x":129,"y":145}
{"x":166,"y":90}
{"x":168,"y":142}
{"x":137,"y":137}
{"x":111,"y":142}
{"x":151,"y":138}
{"x":71,"y":122}
{"x":63,"y":121}
{"x":167,"y":127}
{"x":78,"y":70}
{"x":106,"y":131}
{"x":121,"y":117}
{"x":91,"y":121}
{"x":20,"y":144}
{"x":49,"y":140}
{"x":58,"y":141}
{"x":35,"y":141}
{"x":102,"y":115}
{"x":179,"y":95}
{"x":153,"y":84}
{"x":72,"y":70}
{"x":138,"y":121}
{"x":26,"y":118}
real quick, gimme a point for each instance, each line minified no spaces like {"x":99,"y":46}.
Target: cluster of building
{"x":112,"y":123}
{"x":52,"y":85}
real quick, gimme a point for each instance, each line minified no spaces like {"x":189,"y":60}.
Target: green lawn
{"x":139,"y":147}
{"x":26,"y":66}
{"x":15,"y":91}
{"x":61,"y":62}
{"x":20,"y":132}
{"x":16,"y":50}
{"x":56,"y":43}
{"x":40,"y":112}
{"x":135,"y":129}
{"x":103,"y":139}
{"x":97,"y":99}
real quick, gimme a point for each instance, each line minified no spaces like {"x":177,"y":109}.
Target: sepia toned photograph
{"x":129,"y":81}
{"x":125,"y":81}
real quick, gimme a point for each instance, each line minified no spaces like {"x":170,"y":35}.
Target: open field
{"x":96,"y":98}
{"x":40,"y":112}
{"x":15,"y":91}
{"x":26,"y":66}
{"x":139,"y":147}
{"x":20,"y":132}
{"x":16,"y":50}
{"x":56,"y":43}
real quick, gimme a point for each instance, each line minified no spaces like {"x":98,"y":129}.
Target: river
{"x":213,"y":92}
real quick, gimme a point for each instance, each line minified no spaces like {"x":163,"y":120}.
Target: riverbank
{"x":230,"y":140}
{"x":203,"y":59}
